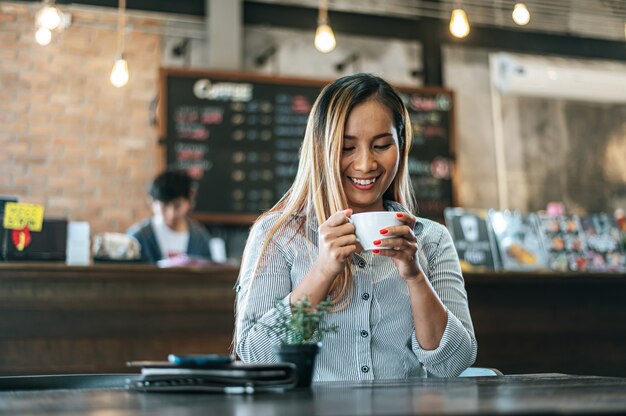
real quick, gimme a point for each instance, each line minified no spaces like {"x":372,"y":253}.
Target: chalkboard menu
{"x":431,"y":161}
{"x":238,"y":136}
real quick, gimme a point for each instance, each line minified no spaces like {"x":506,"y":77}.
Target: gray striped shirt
{"x":375,"y":337}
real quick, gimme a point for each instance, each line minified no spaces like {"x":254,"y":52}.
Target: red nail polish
{"x":384,"y":231}
{"x":376,"y":242}
{"x":375,"y":251}
{"x":399,"y":214}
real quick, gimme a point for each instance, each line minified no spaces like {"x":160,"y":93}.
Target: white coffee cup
{"x":369,"y":224}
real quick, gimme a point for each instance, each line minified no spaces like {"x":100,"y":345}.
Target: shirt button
{"x":364,"y":333}
{"x":365,"y":369}
{"x":365,"y":296}
{"x":361,"y":263}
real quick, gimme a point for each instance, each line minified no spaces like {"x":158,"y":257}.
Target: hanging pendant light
{"x":119,"y":74}
{"x":521,"y":15}
{"x":43,"y":36}
{"x":459,"y":25}
{"x":49,"y":19}
{"x":324,"y":36}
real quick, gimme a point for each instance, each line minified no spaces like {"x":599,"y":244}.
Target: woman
{"x":401,"y":311}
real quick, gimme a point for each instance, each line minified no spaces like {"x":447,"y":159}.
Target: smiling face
{"x":370,"y":155}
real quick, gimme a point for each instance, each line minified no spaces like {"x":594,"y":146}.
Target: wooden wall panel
{"x":59,"y":319}
{"x":556,"y":322}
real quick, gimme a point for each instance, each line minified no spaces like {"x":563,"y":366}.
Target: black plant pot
{"x":303,"y":356}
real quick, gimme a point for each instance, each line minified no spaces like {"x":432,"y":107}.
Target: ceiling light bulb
{"x":119,"y":74}
{"x":459,"y":25}
{"x":521,"y":15}
{"x":324,"y":38}
{"x":43,"y":36}
{"x":49,"y":17}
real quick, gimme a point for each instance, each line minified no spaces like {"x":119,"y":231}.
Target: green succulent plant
{"x":299,"y":323}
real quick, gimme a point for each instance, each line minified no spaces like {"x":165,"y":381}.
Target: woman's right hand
{"x":336,"y":242}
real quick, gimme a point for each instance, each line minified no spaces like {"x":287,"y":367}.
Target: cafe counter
{"x":73,"y":319}
{"x":61,"y":319}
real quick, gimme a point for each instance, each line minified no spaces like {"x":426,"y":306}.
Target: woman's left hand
{"x":402,"y":247}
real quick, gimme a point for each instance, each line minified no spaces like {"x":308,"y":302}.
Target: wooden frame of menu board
{"x":238,"y":135}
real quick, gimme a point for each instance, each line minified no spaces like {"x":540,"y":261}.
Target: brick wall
{"x":68,"y":138}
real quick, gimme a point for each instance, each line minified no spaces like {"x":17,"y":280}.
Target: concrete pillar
{"x":224,"y":26}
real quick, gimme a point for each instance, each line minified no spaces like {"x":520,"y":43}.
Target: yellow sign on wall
{"x":19,"y":215}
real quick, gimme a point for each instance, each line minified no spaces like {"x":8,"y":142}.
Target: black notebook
{"x":235,"y":377}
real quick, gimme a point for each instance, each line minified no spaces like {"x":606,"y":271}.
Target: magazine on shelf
{"x":564,"y":241}
{"x":604,"y":249}
{"x":518,"y":239}
{"x":235,"y":377}
{"x":473,"y":239}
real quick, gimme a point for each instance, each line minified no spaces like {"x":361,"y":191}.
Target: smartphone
{"x":199,"y":360}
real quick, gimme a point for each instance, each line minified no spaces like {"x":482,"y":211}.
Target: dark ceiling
{"x":190,"y":7}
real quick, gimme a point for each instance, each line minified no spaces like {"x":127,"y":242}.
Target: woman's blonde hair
{"x":317,"y":192}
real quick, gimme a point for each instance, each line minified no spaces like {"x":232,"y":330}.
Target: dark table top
{"x":532,"y":393}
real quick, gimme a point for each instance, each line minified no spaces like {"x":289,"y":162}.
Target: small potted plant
{"x":298,"y":328}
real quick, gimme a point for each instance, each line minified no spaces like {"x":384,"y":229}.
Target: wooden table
{"x":540,"y":394}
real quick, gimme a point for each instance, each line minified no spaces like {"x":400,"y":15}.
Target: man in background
{"x":170,"y":232}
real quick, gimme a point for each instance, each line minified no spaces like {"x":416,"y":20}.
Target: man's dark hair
{"x":170,"y":185}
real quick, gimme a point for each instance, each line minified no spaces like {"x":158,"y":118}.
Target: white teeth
{"x":363,"y":182}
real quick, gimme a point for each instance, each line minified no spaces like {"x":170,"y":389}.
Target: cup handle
{"x":350,"y":221}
